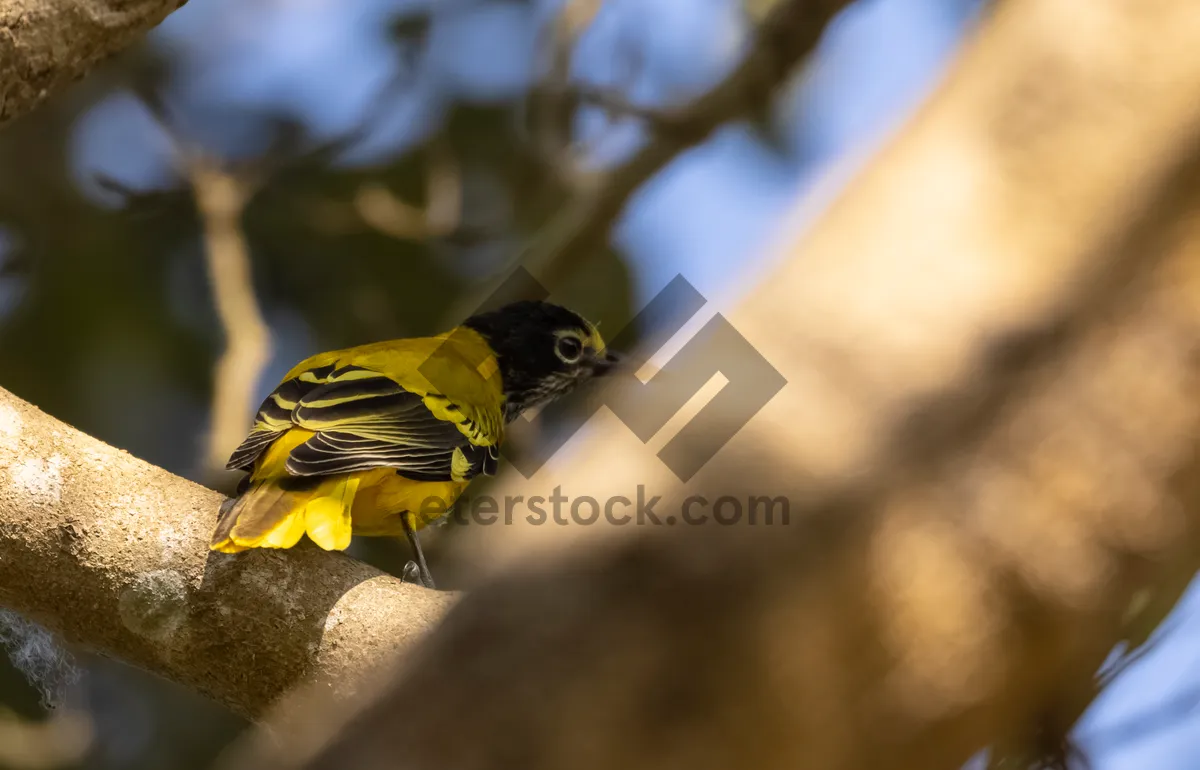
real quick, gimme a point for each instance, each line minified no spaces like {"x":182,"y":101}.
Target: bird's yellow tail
{"x":274,"y":515}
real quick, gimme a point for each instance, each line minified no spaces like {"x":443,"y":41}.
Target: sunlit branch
{"x":220,"y":200}
{"x":45,"y":46}
{"x":111,"y":553}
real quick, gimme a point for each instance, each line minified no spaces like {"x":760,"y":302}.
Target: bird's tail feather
{"x":271,"y":514}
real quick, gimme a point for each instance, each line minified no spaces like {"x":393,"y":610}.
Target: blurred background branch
{"x":220,"y":199}
{"x":440,"y":218}
{"x":787,"y":34}
{"x":552,"y":113}
{"x":221,"y":195}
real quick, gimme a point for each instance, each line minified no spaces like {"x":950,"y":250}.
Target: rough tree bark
{"x":47,"y":44}
{"x":111,"y":553}
{"x":992,"y":343}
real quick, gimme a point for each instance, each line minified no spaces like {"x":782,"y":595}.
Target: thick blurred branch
{"x":220,"y":200}
{"x":111,"y":553}
{"x":221,"y":195}
{"x":990,"y":427}
{"x":552,"y":109}
{"x":47,"y":44}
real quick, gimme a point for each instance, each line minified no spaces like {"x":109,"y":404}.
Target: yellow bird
{"x":381,"y":439}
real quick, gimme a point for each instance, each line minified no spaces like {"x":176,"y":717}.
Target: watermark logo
{"x":646,"y":407}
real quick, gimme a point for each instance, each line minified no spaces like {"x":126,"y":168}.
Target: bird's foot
{"x":412,"y":573}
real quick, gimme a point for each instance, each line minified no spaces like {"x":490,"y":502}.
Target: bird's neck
{"x":521,"y":390}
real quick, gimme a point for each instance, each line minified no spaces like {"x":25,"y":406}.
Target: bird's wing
{"x":274,"y":416}
{"x":362,"y":419}
{"x":382,"y":411}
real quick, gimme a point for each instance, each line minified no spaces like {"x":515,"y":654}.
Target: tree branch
{"x":220,"y":200}
{"x":441,"y":215}
{"x":221,"y":196}
{"x":990,"y":430}
{"x":111,"y":553}
{"x":786,"y":36}
{"x":552,"y":111}
{"x":47,"y":44}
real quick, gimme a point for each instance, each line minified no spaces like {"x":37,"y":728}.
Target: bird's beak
{"x":603,"y":362}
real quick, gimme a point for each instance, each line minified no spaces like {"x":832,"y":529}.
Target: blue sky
{"x":708,"y":216}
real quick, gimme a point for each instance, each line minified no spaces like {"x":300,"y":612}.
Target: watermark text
{"x":639,"y":508}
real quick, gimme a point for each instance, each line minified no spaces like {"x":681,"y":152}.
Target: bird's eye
{"x":569,"y":349}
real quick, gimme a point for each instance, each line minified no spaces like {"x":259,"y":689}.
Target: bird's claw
{"x":412,"y":574}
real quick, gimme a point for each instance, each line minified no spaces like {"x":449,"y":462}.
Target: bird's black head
{"x":544,"y":351}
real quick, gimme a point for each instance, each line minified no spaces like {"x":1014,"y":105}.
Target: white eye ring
{"x":569,"y":349}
